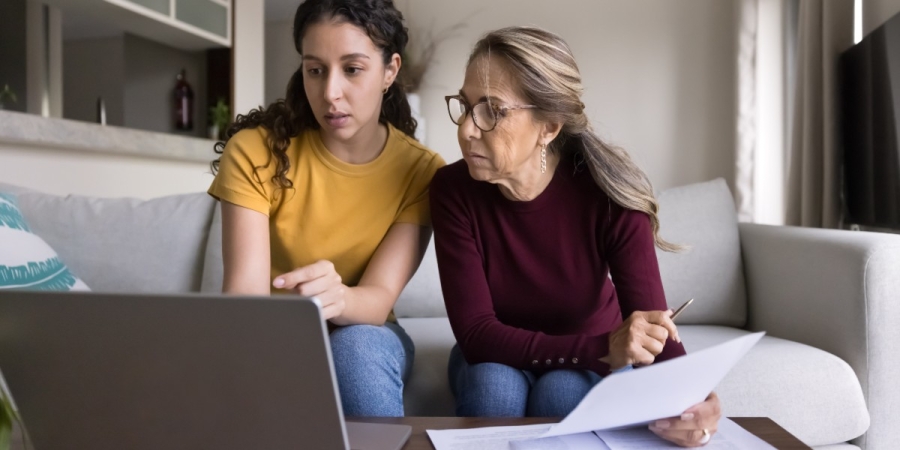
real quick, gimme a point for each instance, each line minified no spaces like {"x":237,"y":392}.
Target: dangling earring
{"x":543,"y":158}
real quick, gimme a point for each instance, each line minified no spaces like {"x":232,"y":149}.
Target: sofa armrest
{"x":838,"y":291}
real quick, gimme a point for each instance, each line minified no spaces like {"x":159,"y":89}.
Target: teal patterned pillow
{"x":26,"y":261}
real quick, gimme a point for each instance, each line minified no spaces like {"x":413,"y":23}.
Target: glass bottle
{"x":184,"y":103}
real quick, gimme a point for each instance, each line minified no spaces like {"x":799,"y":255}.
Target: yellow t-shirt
{"x":336,"y":211}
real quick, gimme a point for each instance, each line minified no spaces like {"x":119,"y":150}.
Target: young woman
{"x":325,"y":194}
{"x":527,"y":228}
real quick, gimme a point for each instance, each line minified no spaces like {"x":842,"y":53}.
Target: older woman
{"x":528,"y":226}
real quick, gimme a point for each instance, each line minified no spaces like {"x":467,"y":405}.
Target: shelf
{"x":43,"y":132}
{"x":153,"y":23}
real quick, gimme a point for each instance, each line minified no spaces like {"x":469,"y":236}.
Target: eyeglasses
{"x":485,"y":115}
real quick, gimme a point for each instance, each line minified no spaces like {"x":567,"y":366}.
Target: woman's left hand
{"x":696,"y":425}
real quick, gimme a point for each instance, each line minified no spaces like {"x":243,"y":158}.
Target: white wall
{"x":281,"y":58}
{"x":248,"y":57}
{"x":770,"y":95}
{"x":659,"y":75}
{"x":64,"y":171}
{"x":876,"y":12}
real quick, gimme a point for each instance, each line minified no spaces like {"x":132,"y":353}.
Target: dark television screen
{"x":870,"y":127}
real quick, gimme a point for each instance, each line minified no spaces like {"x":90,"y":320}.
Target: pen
{"x":680,"y":309}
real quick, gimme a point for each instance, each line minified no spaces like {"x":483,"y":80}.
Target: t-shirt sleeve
{"x":416,"y":208}
{"x":631,"y":254}
{"x":245,"y":172}
{"x":481,"y":336}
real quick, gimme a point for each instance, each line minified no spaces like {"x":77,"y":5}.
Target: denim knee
{"x":487,"y":389}
{"x":558,"y":392}
{"x":369,"y":363}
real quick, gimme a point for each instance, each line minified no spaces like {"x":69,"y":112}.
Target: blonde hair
{"x":548,"y":78}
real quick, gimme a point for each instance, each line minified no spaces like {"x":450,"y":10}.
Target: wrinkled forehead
{"x":491,"y":78}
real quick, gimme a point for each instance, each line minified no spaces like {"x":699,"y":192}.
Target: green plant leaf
{"x":7,"y":416}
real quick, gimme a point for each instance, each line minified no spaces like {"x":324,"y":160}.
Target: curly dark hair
{"x":288,"y":117}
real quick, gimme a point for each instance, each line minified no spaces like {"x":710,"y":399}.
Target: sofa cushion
{"x":213,"y":263}
{"x":26,"y":260}
{"x":126,"y":245}
{"x":422,"y":296}
{"x":427,"y":392}
{"x":809,"y":392}
{"x":703,"y":217}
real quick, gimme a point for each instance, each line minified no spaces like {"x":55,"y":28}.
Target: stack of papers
{"x":614,"y":414}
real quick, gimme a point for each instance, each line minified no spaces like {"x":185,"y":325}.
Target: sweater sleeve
{"x":479,"y":333}
{"x":631,"y":254}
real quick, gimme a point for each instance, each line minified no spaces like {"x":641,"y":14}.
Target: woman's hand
{"x":640,"y":338}
{"x":318,"y":280}
{"x":696,"y":425}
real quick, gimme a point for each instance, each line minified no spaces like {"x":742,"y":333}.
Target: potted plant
{"x":7,"y":94}
{"x":219,"y":118}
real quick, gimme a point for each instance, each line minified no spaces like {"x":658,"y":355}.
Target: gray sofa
{"x":828,"y":300}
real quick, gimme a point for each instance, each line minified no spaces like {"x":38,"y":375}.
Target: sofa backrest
{"x":123,"y":244}
{"x":213,"y":264}
{"x":702,"y":216}
{"x":422,"y":296}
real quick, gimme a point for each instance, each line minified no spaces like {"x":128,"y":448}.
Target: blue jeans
{"x":371,"y":364}
{"x":497,"y":390}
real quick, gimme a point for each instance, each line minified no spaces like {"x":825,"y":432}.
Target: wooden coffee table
{"x":762,"y":427}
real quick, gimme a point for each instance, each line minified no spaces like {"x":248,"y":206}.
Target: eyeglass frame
{"x":470,"y":110}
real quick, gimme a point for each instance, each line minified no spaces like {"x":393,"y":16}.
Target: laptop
{"x":117,"y":371}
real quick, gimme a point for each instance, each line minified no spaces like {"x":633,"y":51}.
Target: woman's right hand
{"x":640,"y":338}
{"x":319,"y":280}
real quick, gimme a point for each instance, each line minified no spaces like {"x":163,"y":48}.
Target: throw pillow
{"x":27,"y":261}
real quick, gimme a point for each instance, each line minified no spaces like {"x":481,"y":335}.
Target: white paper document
{"x":664,"y":389}
{"x":730,"y":436}
{"x":522,"y":437}
{"x":490,"y":438}
{"x":621,"y":400}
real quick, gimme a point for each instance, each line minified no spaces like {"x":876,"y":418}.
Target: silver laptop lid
{"x":116,"y":371}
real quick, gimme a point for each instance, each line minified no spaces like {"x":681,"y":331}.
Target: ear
{"x":391,"y":69}
{"x":549,"y":131}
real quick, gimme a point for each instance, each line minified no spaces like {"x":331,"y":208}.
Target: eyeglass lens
{"x":484,"y":115}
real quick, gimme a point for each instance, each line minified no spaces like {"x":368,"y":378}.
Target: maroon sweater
{"x":526,"y":283}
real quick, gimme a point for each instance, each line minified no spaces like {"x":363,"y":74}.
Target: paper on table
{"x":578,"y":441}
{"x":661,"y":390}
{"x":489,"y":438}
{"x":520,"y":437}
{"x":729,"y":437}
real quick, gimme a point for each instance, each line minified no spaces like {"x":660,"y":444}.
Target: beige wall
{"x":876,"y":12}
{"x":659,"y":75}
